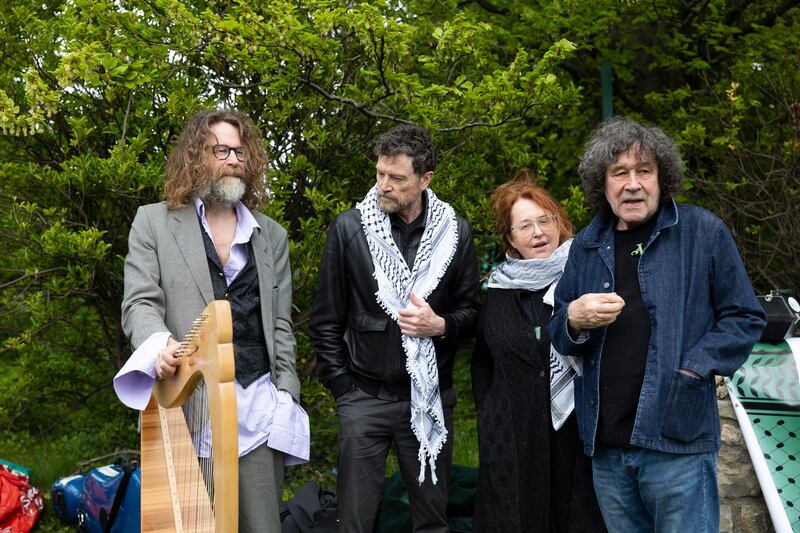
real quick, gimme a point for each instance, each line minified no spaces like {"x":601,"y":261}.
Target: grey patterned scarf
{"x":530,"y":274}
{"x":395,"y":283}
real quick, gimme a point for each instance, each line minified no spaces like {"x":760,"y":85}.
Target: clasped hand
{"x":594,"y":310}
{"x":419,"y":320}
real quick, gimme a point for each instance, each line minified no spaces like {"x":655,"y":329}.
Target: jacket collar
{"x":185,"y":228}
{"x":601,"y":229}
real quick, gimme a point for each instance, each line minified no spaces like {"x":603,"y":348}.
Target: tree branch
{"x":358,"y":106}
{"x":125,"y":120}
{"x":487,"y":6}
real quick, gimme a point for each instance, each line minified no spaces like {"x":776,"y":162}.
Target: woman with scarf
{"x":532,"y":473}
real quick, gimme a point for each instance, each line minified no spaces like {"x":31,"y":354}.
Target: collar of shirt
{"x":408,"y":227}
{"x":245,"y":225}
{"x":407,"y":235}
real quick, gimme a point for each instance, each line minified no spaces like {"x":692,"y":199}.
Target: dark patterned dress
{"x":531,"y":478}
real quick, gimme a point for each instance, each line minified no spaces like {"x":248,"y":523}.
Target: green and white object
{"x":765,"y":393}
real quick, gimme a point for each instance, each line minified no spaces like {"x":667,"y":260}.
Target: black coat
{"x":531,"y":478}
{"x":353,"y":337}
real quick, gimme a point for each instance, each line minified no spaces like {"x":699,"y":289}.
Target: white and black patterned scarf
{"x":534,"y":275}
{"x":395,"y":283}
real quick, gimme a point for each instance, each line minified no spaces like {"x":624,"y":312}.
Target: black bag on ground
{"x":783,"y":314}
{"x":312,"y":510}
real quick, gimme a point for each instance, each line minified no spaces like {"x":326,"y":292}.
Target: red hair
{"x":522,"y":186}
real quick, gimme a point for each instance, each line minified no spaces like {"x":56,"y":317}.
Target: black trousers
{"x":367,"y":428}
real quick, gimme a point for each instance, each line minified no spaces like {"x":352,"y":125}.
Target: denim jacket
{"x":704,"y":317}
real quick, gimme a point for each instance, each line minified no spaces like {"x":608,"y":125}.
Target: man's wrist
{"x":442,"y":332}
{"x":572,"y":329}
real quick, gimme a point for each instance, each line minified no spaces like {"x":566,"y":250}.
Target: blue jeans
{"x":646,"y":490}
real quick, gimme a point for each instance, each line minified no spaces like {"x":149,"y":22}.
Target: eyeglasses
{"x":525,"y":228}
{"x":223,"y":151}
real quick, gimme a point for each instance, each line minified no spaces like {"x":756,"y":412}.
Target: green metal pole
{"x":607,"y":89}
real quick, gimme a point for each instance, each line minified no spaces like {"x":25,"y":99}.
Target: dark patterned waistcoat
{"x":251,"y":359}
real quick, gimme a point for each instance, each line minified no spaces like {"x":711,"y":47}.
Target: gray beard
{"x":391,"y":206}
{"x":225,"y":191}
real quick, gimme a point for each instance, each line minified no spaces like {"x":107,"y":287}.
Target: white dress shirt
{"x":265,"y":414}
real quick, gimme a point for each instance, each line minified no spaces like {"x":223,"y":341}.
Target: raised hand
{"x":419,"y":320}
{"x":594,"y":310}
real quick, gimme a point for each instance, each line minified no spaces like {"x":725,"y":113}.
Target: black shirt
{"x":624,"y":357}
{"x":407,"y":236}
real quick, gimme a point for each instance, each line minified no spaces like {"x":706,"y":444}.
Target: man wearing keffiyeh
{"x":398,"y":287}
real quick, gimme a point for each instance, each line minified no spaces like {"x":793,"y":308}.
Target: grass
{"x":465,"y":441}
{"x":48,"y":461}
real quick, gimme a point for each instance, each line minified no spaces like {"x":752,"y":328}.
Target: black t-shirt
{"x":624,"y":357}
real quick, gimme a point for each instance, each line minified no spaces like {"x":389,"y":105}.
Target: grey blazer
{"x":167,"y":282}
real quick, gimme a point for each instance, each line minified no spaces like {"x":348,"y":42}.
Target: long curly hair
{"x":616,"y":136}
{"x":187,"y":172}
{"x":523,"y":186}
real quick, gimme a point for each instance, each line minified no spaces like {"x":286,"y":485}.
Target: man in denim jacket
{"x":656,"y":301}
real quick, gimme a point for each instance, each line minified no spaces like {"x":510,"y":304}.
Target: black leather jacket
{"x":356,"y":342}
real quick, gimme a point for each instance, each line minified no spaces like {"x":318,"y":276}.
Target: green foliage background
{"x":92,"y":93}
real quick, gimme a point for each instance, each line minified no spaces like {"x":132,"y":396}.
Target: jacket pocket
{"x":345,"y":396}
{"x":366,"y":339}
{"x":686,"y":414}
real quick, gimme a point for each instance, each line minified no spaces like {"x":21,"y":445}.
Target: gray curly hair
{"x":616,"y":136}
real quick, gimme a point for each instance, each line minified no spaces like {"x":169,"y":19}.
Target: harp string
{"x":193,"y":460}
{"x":199,"y":506}
{"x":198,"y":468}
{"x":203,"y":422}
